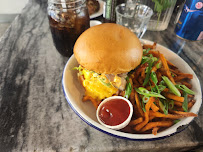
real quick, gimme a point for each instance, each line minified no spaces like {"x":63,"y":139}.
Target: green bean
{"x":145,"y":99}
{"x":154,"y":77}
{"x":145,"y":51}
{"x":164,"y":106}
{"x":171,"y":86}
{"x":147,"y":93}
{"x":161,"y":87}
{"x":184,"y":88}
{"x":158,"y":65}
{"x":171,"y":104}
{"x":185,"y":103}
{"x":128,"y":89}
{"x":176,"y":121}
{"x":146,"y":80}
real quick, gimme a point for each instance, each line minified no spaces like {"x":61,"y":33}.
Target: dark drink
{"x":66,"y":24}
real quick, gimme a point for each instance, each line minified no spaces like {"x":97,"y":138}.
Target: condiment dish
{"x":112,"y":115}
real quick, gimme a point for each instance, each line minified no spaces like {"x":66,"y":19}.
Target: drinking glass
{"x":67,"y":19}
{"x":163,"y":10}
{"x":134,"y":16}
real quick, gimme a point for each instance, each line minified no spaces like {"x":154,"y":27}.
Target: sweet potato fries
{"x":162,"y":93}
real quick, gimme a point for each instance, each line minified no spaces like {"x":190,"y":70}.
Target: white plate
{"x":94,"y":23}
{"x":100,"y":12}
{"x":85,"y":110}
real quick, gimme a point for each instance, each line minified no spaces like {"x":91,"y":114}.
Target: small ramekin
{"x":122,"y":125}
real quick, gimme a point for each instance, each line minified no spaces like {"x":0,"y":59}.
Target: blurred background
{"x":8,"y":11}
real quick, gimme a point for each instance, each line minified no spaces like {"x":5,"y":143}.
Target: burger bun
{"x":108,"y":48}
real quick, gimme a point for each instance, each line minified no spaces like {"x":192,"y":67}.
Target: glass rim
{"x":50,"y":2}
{"x":66,"y":2}
{"x":123,"y":4}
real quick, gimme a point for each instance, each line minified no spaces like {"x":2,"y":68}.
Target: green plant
{"x":160,"y":6}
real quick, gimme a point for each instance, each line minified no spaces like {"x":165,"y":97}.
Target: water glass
{"x":134,"y":16}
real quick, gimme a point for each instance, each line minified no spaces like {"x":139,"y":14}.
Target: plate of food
{"x":95,"y":8}
{"x":163,"y":89}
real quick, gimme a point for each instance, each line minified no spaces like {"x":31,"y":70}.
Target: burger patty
{"x":93,"y":6}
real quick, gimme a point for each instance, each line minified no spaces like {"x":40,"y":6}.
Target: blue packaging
{"x":190,"y":24}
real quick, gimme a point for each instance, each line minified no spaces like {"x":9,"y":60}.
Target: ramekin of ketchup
{"x":115,"y":112}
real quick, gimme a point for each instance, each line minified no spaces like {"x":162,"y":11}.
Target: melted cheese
{"x":97,"y":86}
{"x":117,"y":81}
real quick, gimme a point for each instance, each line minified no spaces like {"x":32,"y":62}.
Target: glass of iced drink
{"x":67,"y":19}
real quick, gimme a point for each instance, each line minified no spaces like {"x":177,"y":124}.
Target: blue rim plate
{"x":74,"y":92}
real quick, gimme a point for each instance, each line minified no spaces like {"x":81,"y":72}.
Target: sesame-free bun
{"x":108,"y":48}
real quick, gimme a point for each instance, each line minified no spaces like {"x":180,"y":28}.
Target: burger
{"x":106,"y":53}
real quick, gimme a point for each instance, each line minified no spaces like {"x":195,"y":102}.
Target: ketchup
{"x":114,"y":112}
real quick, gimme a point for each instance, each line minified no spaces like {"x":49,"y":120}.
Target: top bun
{"x":108,"y":48}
